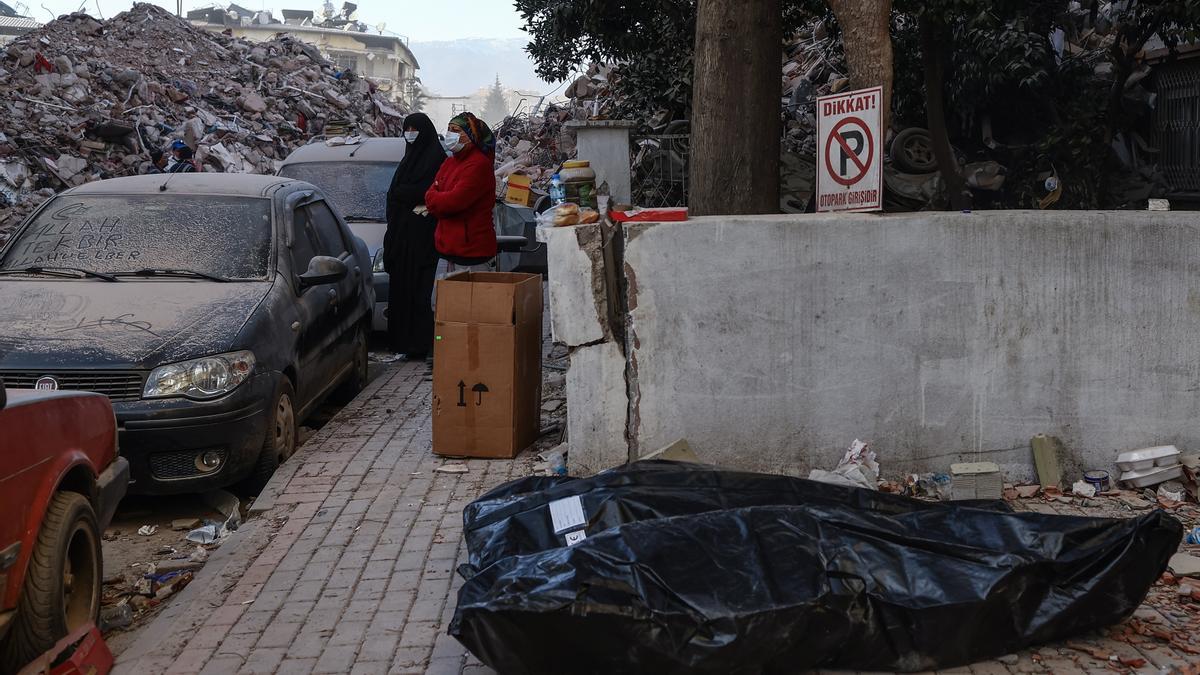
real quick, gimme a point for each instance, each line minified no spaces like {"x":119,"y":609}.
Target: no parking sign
{"x":850,"y":151}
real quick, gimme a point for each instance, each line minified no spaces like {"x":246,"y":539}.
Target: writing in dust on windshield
{"x":69,"y":236}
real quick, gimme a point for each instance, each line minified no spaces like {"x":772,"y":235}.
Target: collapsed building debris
{"x":86,"y":99}
{"x":814,"y":65}
{"x":534,"y":144}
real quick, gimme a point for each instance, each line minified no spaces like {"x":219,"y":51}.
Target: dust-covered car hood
{"x":128,"y":324}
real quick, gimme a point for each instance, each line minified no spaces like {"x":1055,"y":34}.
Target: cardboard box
{"x":520,"y":190}
{"x":487,"y":364}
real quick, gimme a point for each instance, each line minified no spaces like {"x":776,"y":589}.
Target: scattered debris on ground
{"x":142,"y":571}
{"x":86,"y":99}
{"x":857,"y":468}
{"x":452,"y":467}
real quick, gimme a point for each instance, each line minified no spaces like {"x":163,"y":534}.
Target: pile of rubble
{"x":814,"y":65}
{"x":87,"y":99}
{"x":535,"y":144}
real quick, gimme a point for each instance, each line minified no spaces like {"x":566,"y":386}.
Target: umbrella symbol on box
{"x":480,"y":389}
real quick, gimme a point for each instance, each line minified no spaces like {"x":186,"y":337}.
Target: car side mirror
{"x":323,"y":269}
{"x":3,"y":395}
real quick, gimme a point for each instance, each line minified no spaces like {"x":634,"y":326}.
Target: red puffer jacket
{"x":462,"y":198}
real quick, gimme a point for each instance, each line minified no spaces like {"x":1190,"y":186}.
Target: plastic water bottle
{"x":558,"y":191}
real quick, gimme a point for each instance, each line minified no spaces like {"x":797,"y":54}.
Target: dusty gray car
{"x":356,"y":178}
{"x":216,"y":311}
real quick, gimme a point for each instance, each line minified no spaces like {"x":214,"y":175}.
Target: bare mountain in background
{"x":460,"y":67}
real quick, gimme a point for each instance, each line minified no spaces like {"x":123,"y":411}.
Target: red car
{"x":60,"y":480}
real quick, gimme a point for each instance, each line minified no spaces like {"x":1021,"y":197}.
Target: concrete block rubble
{"x":86,"y":99}
{"x":535,"y":144}
{"x":814,"y":65}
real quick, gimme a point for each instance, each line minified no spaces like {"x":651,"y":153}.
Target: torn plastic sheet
{"x":841,"y":582}
{"x":514,"y":519}
{"x":858,"y":468}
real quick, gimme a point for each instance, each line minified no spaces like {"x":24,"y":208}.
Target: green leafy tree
{"x":651,"y":41}
{"x":961,"y":67}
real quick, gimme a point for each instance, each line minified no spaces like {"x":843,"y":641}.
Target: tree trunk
{"x":867,"y":39}
{"x":735,"y":108}
{"x":932,"y":58}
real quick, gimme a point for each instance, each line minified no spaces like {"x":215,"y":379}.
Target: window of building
{"x":346,"y":62}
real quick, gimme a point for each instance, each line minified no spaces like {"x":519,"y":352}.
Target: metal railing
{"x":660,"y":170}
{"x":1178,"y":125}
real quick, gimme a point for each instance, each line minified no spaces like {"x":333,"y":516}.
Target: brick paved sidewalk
{"x":355,"y":570}
{"x":349,"y":565}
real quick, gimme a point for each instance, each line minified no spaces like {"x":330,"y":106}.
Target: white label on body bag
{"x":567,"y":514}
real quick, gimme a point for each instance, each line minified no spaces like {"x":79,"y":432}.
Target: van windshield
{"x":358,"y":189}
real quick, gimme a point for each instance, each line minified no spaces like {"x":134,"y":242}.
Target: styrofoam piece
{"x":1138,"y":460}
{"x":974,"y":467}
{"x":977,"y":480}
{"x":1152,"y":476}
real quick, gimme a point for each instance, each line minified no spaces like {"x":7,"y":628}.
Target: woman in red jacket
{"x":464,"y":193}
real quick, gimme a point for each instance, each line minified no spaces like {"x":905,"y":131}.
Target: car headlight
{"x":377,"y":265}
{"x":205,"y":378}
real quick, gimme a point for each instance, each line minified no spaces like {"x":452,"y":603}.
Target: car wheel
{"x":912,"y":151}
{"x":357,"y":381}
{"x":280,"y":441}
{"x":62,"y":585}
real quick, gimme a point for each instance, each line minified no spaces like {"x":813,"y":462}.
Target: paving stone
{"x":238,"y":645}
{"x":336,"y":659}
{"x":222,"y":665}
{"x":410,"y":657}
{"x":380,"y":647}
{"x":192,"y":660}
{"x":348,"y":633}
{"x":264,"y":660}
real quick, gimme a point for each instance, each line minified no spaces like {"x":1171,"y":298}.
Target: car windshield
{"x":222,"y":236}
{"x":358,"y":189}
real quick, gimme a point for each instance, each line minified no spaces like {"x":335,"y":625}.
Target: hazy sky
{"x":422,"y":20}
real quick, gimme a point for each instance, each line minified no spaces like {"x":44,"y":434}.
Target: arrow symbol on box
{"x":462,"y":394}
{"x":480,"y":389}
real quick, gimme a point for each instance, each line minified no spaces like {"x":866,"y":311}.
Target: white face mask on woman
{"x":411,"y":136}
{"x":452,"y":142}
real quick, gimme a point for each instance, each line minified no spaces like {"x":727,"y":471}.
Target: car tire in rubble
{"x":62,"y":585}
{"x":912,"y":151}
{"x":357,"y":380}
{"x":279,"y":443}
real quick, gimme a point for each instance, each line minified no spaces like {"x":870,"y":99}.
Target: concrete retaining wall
{"x":771,"y":343}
